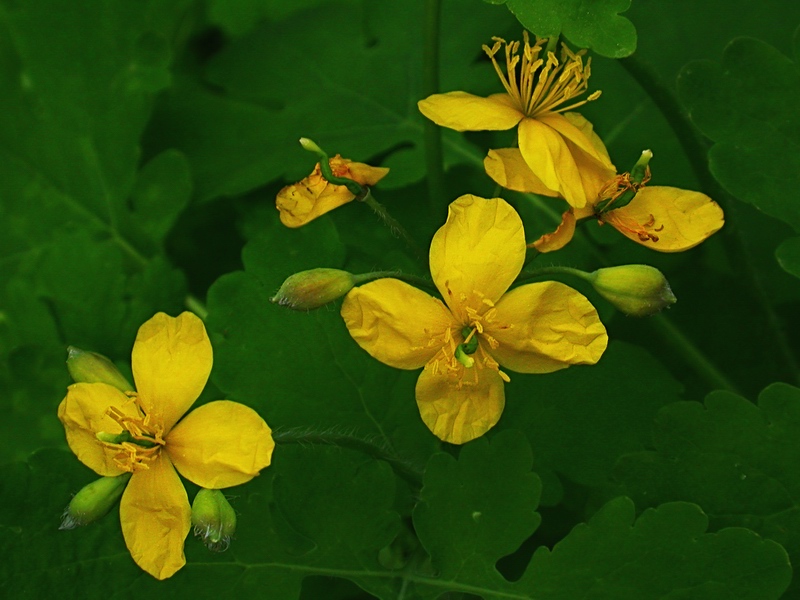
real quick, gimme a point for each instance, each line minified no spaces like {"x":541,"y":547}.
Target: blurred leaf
{"x":351,"y":83}
{"x":596,"y":25}
{"x":665,"y":553}
{"x":745,"y":105}
{"x":237,"y":17}
{"x":580,"y":420}
{"x":788,"y":255}
{"x":738,"y":461}
{"x":477,"y":509}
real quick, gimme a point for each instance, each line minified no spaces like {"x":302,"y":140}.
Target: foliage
{"x":143,"y":145}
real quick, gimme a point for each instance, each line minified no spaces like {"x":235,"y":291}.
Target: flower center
{"x":139,"y":442}
{"x":455,"y":358}
{"x":542,"y":85}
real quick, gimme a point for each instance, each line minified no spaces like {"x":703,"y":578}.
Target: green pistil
{"x":122,"y":437}
{"x":464,"y":350}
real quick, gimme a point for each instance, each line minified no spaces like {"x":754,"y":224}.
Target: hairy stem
{"x":434,"y":156}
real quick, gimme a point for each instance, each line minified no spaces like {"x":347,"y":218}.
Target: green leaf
{"x":357,"y":97}
{"x":738,"y":461}
{"x":237,"y":17}
{"x":596,"y":25}
{"x":581,"y":419}
{"x":788,"y":255}
{"x":665,"y":553}
{"x":162,"y":190}
{"x":745,"y":105}
{"x":479,"y":508}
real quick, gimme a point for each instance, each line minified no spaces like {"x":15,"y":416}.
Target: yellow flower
{"x":312,"y":197}
{"x":662,"y":218}
{"x":534,"y":328}
{"x":552,"y":145}
{"x":218,"y":445}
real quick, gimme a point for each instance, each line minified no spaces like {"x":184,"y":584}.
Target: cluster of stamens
{"x":454,"y":357}
{"x":139,"y":442}
{"x":611,"y":193}
{"x":543,"y":84}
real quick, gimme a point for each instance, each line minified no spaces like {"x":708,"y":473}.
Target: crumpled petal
{"x":550,"y":242}
{"x":396,"y":323}
{"x":681,"y":219}
{"x":477,"y":253}
{"x":509,"y":170}
{"x":171,"y":363}
{"x":156,"y":517}
{"x":220,"y":444}
{"x":458,"y":414}
{"x":548,"y":156}
{"x":466,"y":112}
{"x":83,"y":413}
{"x":543,"y":327}
{"x":314,"y":196}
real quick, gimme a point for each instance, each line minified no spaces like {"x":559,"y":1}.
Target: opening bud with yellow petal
{"x":94,"y":501}
{"x":90,"y":367}
{"x":214,"y":519}
{"x":311,"y":289}
{"x":636,"y":290}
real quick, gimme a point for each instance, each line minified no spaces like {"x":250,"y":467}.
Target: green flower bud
{"x":90,"y":367}
{"x":94,"y":501}
{"x":636,"y":290}
{"x":311,"y":289}
{"x":213,"y":519}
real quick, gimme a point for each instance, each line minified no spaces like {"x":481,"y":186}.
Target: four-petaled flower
{"x":662,"y":218}
{"x":312,"y":197}
{"x":552,"y":144}
{"x":218,"y":445}
{"x":534,"y":328}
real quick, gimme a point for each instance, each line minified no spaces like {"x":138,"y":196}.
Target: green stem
{"x":434,"y":156}
{"x":701,"y":364}
{"x":197,"y":307}
{"x":392,"y":223}
{"x":407,"y":277}
{"x":401,"y":467}
{"x":696,"y":150}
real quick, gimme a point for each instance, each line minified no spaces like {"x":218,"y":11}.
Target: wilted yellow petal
{"x":681,"y":219}
{"x":465,"y":112}
{"x":477,"y":253}
{"x":460,"y":409}
{"x":171,"y":362}
{"x":155,"y":517}
{"x":363,"y":174}
{"x":550,"y":159}
{"x":508,"y":169}
{"x":396,"y":323}
{"x":550,"y":242}
{"x":543,"y":327}
{"x":83,"y":413}
{"x":220,"y":444}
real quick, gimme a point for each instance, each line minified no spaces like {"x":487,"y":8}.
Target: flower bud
{"x":90,"y":367}
{"x":636,"y":290}
{"x":311,"y":289}
{"x":94,"y":501}
{"x":213,"y":519}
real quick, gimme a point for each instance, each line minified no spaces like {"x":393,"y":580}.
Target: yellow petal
{"x":396,"y":323}
{"x":574,"y":128}
{"x":459,"y":414}
{"x":365,"y":174}
{"x":155,"y":517}
{"x":550,"y":242}
{"x":477,"y":253}
{"x":83,"y":413}
{"x":465,"y":112}
{"x":543,"y":327}
{"x":508,"y":169}
{"x":300,"y":204}
{"x":550,"y":159}
{"x":171,"y":363}
{"x":681,"y":219}
{"x":220,"y":444}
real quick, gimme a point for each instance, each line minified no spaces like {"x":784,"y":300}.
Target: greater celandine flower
{"x":551,"y":140}
{"x":481,"y":326}
{"x":314,"y":196}
{"x":661,"y":218}
{"x":218,"y":445}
